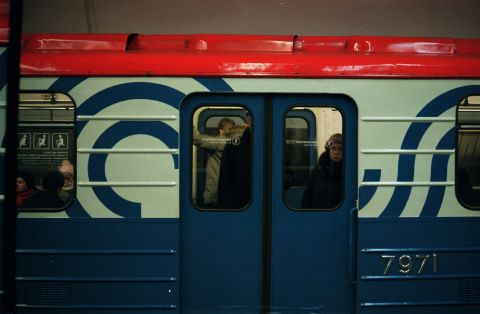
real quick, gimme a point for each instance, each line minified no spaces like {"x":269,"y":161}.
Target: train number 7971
{"x":407,"y":264}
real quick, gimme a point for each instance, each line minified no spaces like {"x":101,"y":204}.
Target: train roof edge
{"x":248,"y":55}
{"x":249,"y":43}
{"x":244,"y":55}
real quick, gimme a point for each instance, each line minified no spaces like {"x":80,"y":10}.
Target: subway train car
{"x":130,"y":227}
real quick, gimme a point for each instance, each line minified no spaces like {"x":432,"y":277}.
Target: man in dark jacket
{"x":324,"y":187}
{"x":235,"y":169}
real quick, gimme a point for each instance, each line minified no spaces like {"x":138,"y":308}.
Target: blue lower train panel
{"x":418,"y":266}
{"x":97,"y":266}
{"x":434,"y":309}
{"x":94,"y":310}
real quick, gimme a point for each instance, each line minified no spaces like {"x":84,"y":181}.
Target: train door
{"x":262,"y":248}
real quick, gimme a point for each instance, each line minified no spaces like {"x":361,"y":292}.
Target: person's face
{"x":336,"y":152}
{"x":21,"y":185}
{"x":68,"y":179}
{"x":225,"y":129}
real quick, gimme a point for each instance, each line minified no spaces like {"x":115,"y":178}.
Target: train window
{"x":468,"y":152}
{"x":312,"y":163}
{"x":46,"y":151}
{"x":220,"y":158}
{"x":297,"y":157}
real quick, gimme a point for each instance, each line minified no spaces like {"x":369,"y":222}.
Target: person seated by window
{"x":214,"y":145}
{"x":324,"y":186}
{"x":67,"y":169}
{"x":24,"y":186}
{"x":52,"y":183}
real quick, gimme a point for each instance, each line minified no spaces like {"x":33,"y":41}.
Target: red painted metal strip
{"x":249,"y":55}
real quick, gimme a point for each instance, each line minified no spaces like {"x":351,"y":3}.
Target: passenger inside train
{"x":67,"y":169}
{"x":324,"y":186}
{"x":25,"y":186}
{"x":213,"y":145}
{"x":213,"y":128}
{"x":48,"y":196}
{"x":306,"y":131}
{"x":235,"y":168}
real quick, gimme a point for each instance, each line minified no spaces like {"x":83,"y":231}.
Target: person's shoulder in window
{"x":52,"y":183}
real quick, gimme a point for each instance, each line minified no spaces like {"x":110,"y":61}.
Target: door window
{"x":313,"y":158}
{"x":221,"y":158}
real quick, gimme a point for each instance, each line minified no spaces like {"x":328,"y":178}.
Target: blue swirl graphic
{"x":415,"y":133}
{"x":66,"y":84}
{"x":214,"y":84}
{"x":128,"y":91}
{"x":117,"y":132}
{"x":438,"y":174}
{"x":366,"y":193}
{"x":108,"y":97}
{"x":75,"y":210}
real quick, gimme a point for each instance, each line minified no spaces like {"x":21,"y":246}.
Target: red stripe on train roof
{"x":4,"y":22}
{"x":248,"y":55}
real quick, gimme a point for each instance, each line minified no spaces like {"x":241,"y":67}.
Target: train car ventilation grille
{"x":48,"y":294}
{"x":470,"y":290}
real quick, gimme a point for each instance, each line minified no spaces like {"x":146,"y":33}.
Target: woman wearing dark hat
{"x":25,"y":186}
{"x":324,"y":187}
